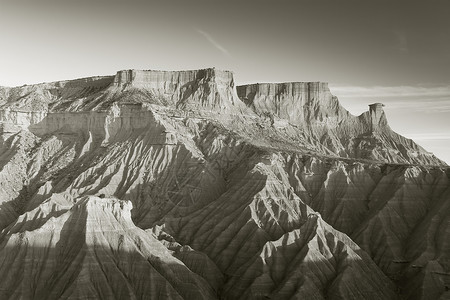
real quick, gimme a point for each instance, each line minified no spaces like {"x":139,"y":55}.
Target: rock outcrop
{"x":298,"y":102}
{"x":329,"y":127}
{"x":154,"y":184}
{"x":92,"y":250}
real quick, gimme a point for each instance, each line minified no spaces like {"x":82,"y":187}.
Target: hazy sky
{"x":395,"y":52}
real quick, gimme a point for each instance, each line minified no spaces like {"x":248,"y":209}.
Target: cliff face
{"x":377,"y":117}
{"x":311,"y":106}
{"x":302,"y":114}
{"x":197,"y":89}
{"x":158,"y":184}
{"x":208,"y":89}
{"x":297,"y":102}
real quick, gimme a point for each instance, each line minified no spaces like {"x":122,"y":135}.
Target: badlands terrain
{"x":181,"y":185}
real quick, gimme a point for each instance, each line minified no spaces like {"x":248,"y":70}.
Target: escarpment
{"x":198,"y":89}
{"x":322,"y":120}
{"x":178,"y":185}
{"x":297,"y":102}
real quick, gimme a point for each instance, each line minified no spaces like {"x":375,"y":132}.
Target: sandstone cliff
{"x":153,"y":184}
{"x":311,"y":107}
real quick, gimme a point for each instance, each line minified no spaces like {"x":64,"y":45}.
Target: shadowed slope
{"x":95,"y":251}
{"x":224,"y":196}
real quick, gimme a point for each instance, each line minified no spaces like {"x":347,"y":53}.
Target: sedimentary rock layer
{"x":153,"y":184}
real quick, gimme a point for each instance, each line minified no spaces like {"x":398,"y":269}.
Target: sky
{"x":394,"y":52}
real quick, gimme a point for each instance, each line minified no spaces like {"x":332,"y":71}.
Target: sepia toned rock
{"x":178,"y":185}
{"x":329,"y":127}
{"x":92,"y":250}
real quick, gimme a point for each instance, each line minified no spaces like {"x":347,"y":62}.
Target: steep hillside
{"x":320,"y":117}
{"x":92,"y":250}
{"x":155,"y":184}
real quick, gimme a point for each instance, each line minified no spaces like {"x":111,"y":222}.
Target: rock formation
{"x":328,"y":126}
{"x":157,"y":184}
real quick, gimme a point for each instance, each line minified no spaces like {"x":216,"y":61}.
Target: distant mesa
{"x":309,"y":115}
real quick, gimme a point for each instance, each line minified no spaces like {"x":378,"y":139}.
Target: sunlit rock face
{"x":328,"y":126}
{"x":177,"y":185}
{"x":297,"y":102}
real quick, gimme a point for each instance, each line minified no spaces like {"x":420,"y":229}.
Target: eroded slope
{"x":238,"y":201}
